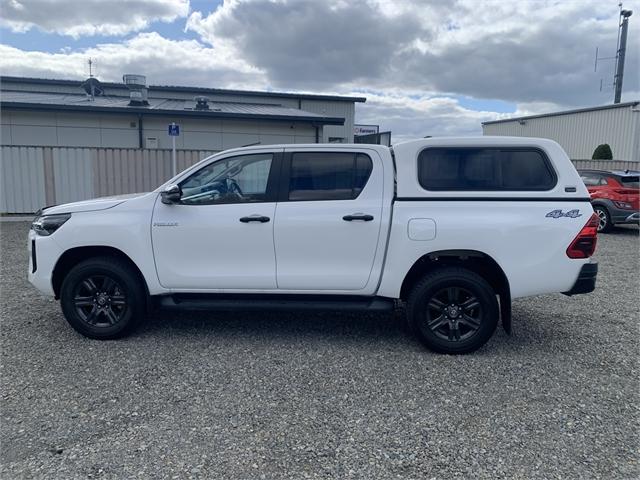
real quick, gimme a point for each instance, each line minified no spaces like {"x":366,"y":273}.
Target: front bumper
{"x":633,"y":218}
{"x":586,"y":282}
{"x":43,"y":255}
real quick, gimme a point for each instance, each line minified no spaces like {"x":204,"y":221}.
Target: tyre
{"x":103,"y":298}
{"x":604,"y":219}
{"x":453,"y":310}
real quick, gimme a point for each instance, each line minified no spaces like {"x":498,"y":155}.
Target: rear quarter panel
{"x":529,"y":246}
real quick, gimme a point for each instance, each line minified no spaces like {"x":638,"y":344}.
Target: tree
{"x":602,"y":152}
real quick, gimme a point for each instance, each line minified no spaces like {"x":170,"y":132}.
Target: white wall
{"x":580,"y":133}
{"x":71,"y":129}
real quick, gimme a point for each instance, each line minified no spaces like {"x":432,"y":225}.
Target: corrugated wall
{"x":23,"y":179}
{"x":33,"y":177}
{"x":580,"y":133}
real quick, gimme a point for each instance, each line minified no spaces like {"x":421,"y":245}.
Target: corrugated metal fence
{"x":32,"y":177}
{"x":606,"y":164}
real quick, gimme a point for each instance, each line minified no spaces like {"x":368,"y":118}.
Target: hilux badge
{"x":559,"y":213}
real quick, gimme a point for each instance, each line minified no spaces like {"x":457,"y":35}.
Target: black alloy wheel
{"x":454,"y":314}
{"x":103,"y":298}
{"x":100,"y":301}
{"x":453,"y":310}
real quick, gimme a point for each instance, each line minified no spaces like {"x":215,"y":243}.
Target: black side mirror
{"x":171,"y":195}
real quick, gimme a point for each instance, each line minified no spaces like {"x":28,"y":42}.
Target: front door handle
{"x":357,"y":216}
{"x":255,"y":218}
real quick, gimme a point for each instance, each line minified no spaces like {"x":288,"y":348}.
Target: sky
{"x":428,"y":67}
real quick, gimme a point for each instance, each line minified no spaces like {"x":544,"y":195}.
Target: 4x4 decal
{"x":559,"y":213}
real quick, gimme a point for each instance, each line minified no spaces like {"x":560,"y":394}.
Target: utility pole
{"x":622,"y":48}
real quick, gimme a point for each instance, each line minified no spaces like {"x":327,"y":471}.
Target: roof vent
{"x":202,"y":103}
{"x":92,"y":87}
{"x":137,"y":89}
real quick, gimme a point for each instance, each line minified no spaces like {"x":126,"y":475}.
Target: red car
{"x":615,"y":196}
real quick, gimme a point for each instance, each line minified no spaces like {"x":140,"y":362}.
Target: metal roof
{"x":565,"y":112}
{"x":159,"y":106}
{"x":195,"y":90}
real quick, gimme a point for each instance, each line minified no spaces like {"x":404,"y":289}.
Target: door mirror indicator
{"x":171,"y":195}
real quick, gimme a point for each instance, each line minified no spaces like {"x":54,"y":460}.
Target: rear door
{"x":328,"y":220}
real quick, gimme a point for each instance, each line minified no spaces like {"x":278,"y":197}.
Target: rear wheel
{"x":604,"y":219}
{"x":103,"y":298}
{"x":453,"y":310}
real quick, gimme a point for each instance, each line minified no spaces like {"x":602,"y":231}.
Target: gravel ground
{"x":324,"y":395}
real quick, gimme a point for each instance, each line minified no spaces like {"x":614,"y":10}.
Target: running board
{"x":246,"y":302}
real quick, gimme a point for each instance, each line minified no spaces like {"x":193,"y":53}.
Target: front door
{"x":220,"y":234}
{"x":328,"y":220}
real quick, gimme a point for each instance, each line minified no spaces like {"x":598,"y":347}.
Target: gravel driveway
{"x":323,"y":395}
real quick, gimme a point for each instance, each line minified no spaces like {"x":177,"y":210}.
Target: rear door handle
{"x":254,"y":218}
{"x":358,"y":216}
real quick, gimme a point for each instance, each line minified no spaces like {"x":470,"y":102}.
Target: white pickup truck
{"x":453,"y":228}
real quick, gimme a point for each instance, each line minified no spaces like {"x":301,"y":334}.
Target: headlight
{"x":45,"y":225}
{"x":625,"y":205}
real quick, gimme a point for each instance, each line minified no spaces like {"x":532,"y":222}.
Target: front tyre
{"x":604,"y":219}
{"x":453,"y":310}
{"x":103,"y":298}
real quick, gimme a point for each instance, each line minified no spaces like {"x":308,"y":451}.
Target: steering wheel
{"x":233,"y":187}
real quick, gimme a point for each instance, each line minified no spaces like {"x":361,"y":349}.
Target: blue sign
{"x":174,"y":130}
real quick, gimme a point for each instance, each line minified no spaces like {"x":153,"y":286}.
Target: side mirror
{"x":171,"y":194}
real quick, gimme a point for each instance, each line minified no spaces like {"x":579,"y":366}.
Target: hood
{"x":90,"y":205}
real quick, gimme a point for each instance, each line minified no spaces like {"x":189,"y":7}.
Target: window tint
{"x":630,"y":182}
{"x":484,"y":169}
{"x":328,"y":176}
{"x":231,"y":180}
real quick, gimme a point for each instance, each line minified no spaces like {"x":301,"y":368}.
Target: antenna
{"x":621,"y":49}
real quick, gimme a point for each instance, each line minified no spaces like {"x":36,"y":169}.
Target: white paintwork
{"x":421,"y":229}
{"x":308,"y":248}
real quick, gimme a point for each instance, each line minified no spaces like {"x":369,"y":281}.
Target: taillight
{"x":584,"y":245}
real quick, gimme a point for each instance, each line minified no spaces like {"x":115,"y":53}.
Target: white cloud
{"x":90,"y":17}
{"x":163,"y":61}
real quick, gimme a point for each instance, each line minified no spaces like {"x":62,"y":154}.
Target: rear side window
{"x":630,"y":182}
{"x":328,"y":176}
{"x":484,"y":169}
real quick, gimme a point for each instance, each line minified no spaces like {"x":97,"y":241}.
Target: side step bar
{"x":246,"y":302}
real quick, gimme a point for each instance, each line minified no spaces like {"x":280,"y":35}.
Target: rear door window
{"x":328,"y":175}
{"x":485,"y":169}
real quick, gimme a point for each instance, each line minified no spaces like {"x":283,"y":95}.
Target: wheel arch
{"x":473,"y":260}
{"x":74,"y":256}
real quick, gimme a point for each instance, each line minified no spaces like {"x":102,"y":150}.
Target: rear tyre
{"x":103,"y":298}
{"x":604,"y":219}
{"x":453,"y":310}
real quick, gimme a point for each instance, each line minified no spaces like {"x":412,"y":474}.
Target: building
{"x":68,"y":113}
{"x":65,"y":140}
{"x":580,"y":131}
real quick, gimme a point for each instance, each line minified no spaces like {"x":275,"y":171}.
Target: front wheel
{"x":453,"y":310}
{"x":604,"y":219}
{"x":103,"y":298}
